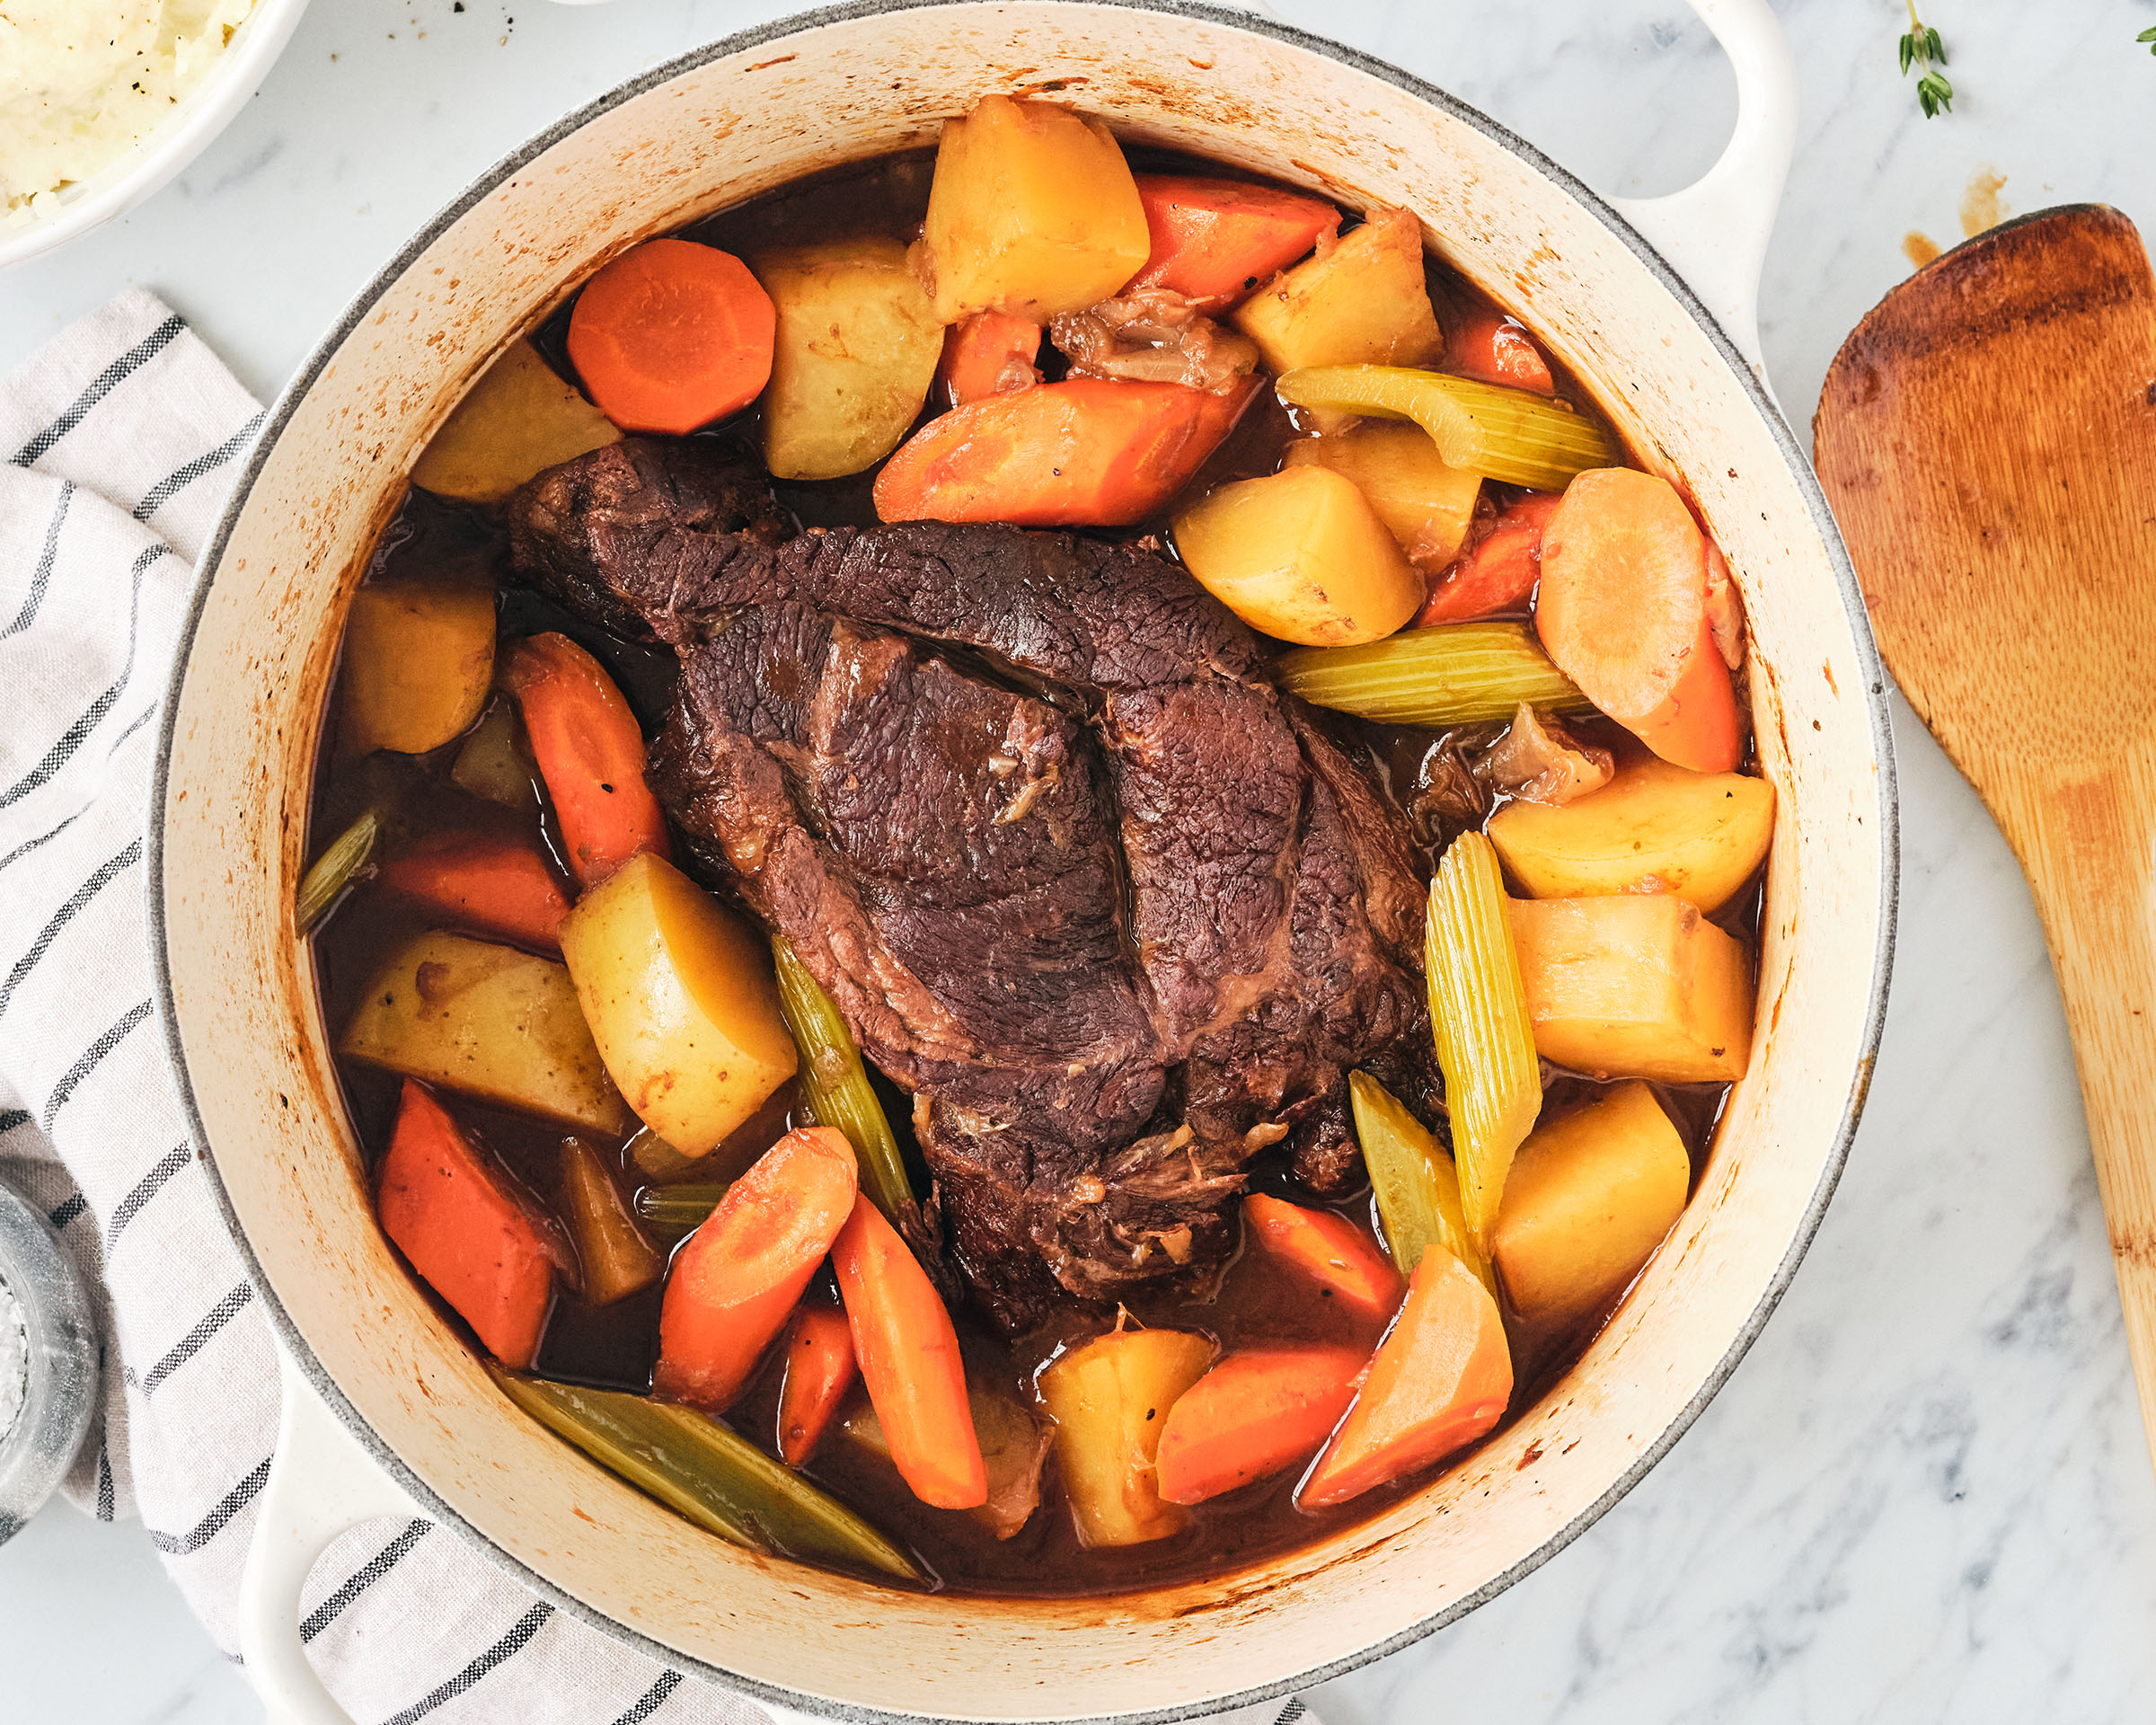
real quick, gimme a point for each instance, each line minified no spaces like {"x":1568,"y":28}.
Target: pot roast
{"x":1117,"y":913}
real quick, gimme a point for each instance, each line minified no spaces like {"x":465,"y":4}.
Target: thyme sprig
{"x":1921,"y":48}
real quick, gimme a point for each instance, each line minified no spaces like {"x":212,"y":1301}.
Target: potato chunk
{"x":1014,"y":1447}
{"x":1300,"y":556}
{"x":418,"y":660}
{"x":496,"y":762}
{"x":1424,"y":505}
{"x":856,"y":349}
{"x":1032,"y":212}
{"x":519,"y":420}
{"x":1109,"y":1399}
{"x":1589,"y":1200}
{"x":1361,"y":302}
{"x":1635,"y":985}
{"x":681,"y":1001}
{"x":489,"y":1021}
{"x":1653,"y":827}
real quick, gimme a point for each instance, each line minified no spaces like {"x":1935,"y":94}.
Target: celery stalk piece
{"x":708,"y":1473}
{"x":1389,"y":392}
{"x":1450,"y":674}
{"x":836,"y":1085}
{"x":1417,"y":1189}
{"x":678,"y":1211}
{"x":1493,"y":1082}
{"x":618,"y":1257}
{"x":1513,"y":436}
{"x":335,"y":870}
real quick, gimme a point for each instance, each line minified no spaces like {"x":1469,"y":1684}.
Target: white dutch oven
{"x":385,"y":1409}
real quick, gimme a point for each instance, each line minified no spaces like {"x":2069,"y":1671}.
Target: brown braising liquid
{"x":614,"y":1347}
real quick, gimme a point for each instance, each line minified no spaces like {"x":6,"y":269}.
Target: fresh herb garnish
{"x":1921,"y":48}
{"x":2148,"y":36}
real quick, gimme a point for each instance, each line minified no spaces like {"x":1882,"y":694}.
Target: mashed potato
{"x":81,"y":84}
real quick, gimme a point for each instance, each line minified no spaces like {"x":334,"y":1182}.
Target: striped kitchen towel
{"x":122,"y":439}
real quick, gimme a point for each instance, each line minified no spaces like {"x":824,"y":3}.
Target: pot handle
{"x":1714,"y":232}
{"x":321,"y":1483}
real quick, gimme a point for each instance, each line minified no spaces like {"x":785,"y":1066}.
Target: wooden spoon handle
{"x":2090,"y":857}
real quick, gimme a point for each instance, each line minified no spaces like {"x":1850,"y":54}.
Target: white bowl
{"x":40,"y":1446}
{"x":124,"y":182}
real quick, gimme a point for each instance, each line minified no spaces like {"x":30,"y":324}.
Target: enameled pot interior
{"x":723,"y":127}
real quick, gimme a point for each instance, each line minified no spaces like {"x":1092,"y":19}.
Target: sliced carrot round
{"x":908,"y":1351}
{"x":1496,"y":349}
{"x":820,"y":1370}
{"x":1697,"y":725}
{"x":1329,"y":1249}
{"x":672,"y":335}
{"x":1621,"y":610}
{"x":739,"y":1277}
{"x":1496,"y":571}
{"x":991,"y":353}
{"x":479,"y":1241}
{"x":1439,"y":1380}
{"x":1257,"y":1411}
{"x":590,"y":752}
{"x":486,"y":883}
{"x":1214,"y":241}
{"x":784,"y":1213}
{"x":1085,"y":452}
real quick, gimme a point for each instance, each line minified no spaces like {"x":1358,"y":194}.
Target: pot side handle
{"x":1714,"y":232}
{"x":321,"y":1483}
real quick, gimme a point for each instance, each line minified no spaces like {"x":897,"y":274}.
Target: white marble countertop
{"x":1925,"y":1495}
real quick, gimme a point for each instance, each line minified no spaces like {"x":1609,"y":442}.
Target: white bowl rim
{"x":60,"y":1371}
{"x":1875,"y":698}
{"x":147,"y":167}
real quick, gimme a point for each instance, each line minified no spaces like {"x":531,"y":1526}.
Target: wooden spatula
{"x":1987,"y":438}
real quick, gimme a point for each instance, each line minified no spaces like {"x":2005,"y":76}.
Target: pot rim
{"x":1875,"y":698}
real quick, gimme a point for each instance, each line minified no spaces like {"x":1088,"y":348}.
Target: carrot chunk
{"x":909,"y":1358}
{"x":1496,"y":569}
{"x":486,"y":885}
{"x":1622,"y":611}
{"x":1495,"y":349}
{"x":739,"y":1277}
{"x":820,"y":1370}
{"x":590,"y":753}
{"x":1214,"y":241}
{"x":1086,"y":452}
{"x":1441,"y":1378}
{"x":475,"y":1239}
{"x":991,"y":353}
{"x":1332,"y":1251}
{"x":672,"y":335}
{"x":1259,"y":1411}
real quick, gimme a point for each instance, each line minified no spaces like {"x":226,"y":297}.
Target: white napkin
{"x":121,"y":438}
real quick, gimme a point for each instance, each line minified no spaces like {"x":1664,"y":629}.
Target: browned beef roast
{"x":949,"y":853}
{"x":942,"y":852}
{"x":643,"y":486}
{"x":942,"y":849}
